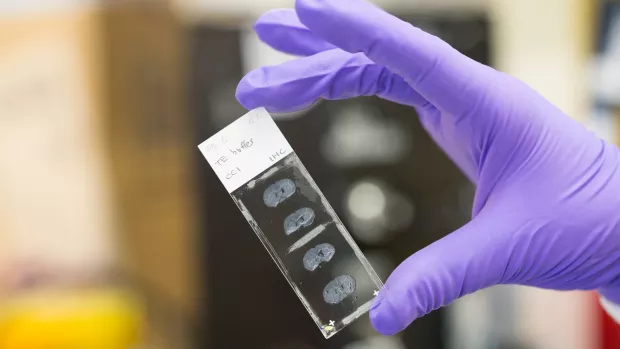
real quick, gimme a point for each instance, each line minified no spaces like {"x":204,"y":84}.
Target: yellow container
{"x":90,"y":319}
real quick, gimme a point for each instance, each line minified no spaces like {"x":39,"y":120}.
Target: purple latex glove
{"x":547,"y":205}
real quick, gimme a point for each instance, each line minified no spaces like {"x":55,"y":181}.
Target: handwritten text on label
{"x":276,"y":156}
{"x":233,"y":172}
{"x":244,"y":145}
{"x":245,"y":148}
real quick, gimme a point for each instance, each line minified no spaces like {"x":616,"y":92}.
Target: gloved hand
{"x":547,"y":204}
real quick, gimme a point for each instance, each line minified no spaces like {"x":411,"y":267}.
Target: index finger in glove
{"x":282,"y":30}
{"x":446,"y":78}
{"x":333,"y":74}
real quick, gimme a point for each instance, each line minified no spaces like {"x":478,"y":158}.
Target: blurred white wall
{"x":56,"y":211}
{"x":544,"y":44}
{"x":21,"y":7}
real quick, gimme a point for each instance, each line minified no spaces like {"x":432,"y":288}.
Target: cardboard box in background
{"x":150,"y":147}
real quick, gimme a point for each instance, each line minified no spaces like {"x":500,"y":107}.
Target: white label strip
{"x":245,"y":148}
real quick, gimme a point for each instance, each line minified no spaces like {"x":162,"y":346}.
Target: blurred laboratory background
{"x":116,"y":234}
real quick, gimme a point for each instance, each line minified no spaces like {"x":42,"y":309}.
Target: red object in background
{"x":609,"y":329}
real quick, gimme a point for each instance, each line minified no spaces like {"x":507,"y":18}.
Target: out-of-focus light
{"x":360,"y":136}
{"x":367,"y":201}
{"x":391,"y":342}
{"x":375,"y":211}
